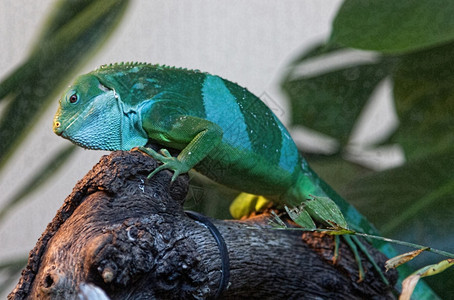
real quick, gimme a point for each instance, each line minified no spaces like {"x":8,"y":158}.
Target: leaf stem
{"x":376,"y":237}
{"x":408,"y":244}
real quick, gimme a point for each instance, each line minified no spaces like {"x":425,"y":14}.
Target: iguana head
{"x":89,"y":115}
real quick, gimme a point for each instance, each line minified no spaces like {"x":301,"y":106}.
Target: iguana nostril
{"x":57,"y":127}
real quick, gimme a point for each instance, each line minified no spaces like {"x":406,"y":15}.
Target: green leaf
{"x":66,"y":44}
{"x":410,"y":282}
{"x":435,"y":269}
{"x":424,"y":97}
{"x":393,"y":26}
{"x":62,"y":13}
{"x":276,"y":222}
{"x":330,"y":103}
{"x":325,"y":209}
{"x":301,"y":217}
{"x":413,"y":203}
{"x":38,"y":179}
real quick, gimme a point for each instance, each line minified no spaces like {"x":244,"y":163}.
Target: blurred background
{"x":277,"y":49}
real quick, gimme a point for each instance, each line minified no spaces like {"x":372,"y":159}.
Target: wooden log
{"x":120,"y":236}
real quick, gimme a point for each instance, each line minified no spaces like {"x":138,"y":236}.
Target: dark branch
{"x":131,"y":238}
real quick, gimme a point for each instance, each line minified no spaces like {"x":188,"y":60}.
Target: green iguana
{"x":223,"y":131}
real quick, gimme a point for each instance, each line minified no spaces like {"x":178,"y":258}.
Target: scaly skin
{"x":223,"y":131}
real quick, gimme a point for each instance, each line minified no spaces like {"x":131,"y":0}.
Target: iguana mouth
{"x":59,"y":130}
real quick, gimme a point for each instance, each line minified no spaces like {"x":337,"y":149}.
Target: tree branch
{"x":129,"y":238}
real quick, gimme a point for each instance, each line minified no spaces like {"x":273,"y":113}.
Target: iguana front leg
{"x":194,"y":136}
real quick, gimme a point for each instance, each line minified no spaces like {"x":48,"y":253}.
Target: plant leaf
{"x":330,"y":103}
{"x":424,"y":97}
{"x":413,"y":200}
{"x":398,"y":260}
{"x":393,"y":26}
{"x":408,"y":286}
{"x":436,"y":268}
{"x":410,"y":282}
{"x":326,"y":210}
{"x":414,"y":203}
{"x":276,"y":222}
{"x":301,"y":217}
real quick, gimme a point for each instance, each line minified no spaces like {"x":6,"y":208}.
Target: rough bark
{"x":131,"y":238}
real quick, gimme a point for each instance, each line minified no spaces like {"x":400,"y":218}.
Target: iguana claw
{"x":168,"y":162}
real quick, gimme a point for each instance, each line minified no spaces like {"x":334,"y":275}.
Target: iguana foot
{"x":245,"y":204}
{"x":168,"y":162}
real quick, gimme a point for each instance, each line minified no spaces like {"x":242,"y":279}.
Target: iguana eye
{"x":73,"y":98}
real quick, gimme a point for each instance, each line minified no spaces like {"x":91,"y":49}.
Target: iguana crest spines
{"x":131,"y":65}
